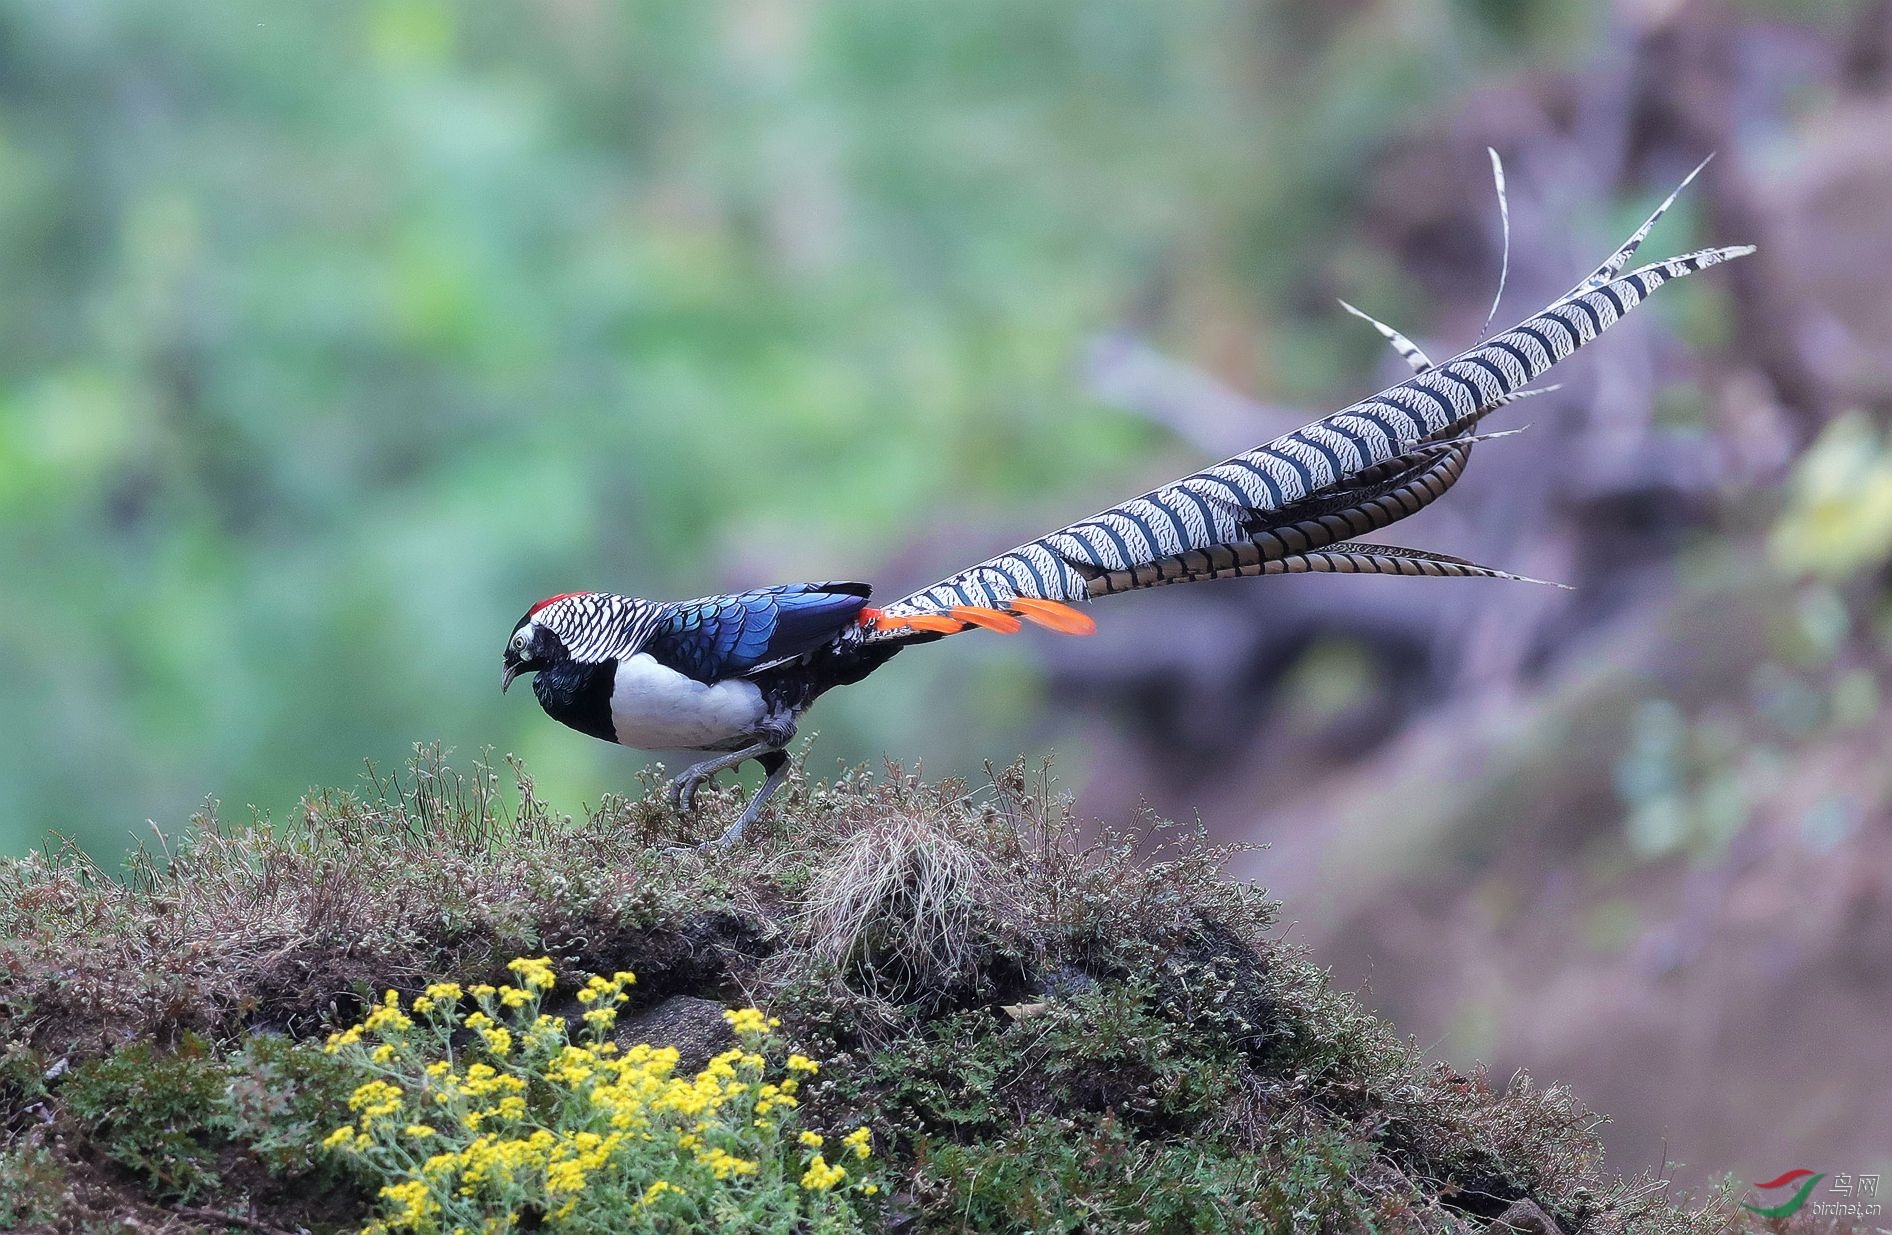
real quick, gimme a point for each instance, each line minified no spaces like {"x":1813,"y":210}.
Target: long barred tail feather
{"x":1617,"y":260}
{"x":1407,"y":349}
{"x":1285,"y":506}
{"x":1251,"y":560}
{"x":1504,"y":222}
{"x":1416,"y":358}
{"x":1378,"y":497}
{"x":1392,"y":560}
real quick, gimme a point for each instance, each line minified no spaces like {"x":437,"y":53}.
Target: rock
{"x":694,"y":1026}
{"x":1067,"y":982}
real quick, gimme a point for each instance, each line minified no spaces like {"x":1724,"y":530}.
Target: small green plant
{"x":484,"y":1119}
{"x":1091,"y":1173}
{"x":32,"y":1179}
{"x":280,"y":1098}
{"x":154,"y":1111}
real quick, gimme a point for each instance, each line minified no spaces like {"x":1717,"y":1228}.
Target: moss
{"x":1049,"y":1025}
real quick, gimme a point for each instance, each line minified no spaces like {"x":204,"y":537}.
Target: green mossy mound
{"x":1049,"y":1029}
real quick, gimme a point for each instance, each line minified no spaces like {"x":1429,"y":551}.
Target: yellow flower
{"x":746,"y":1020}
{"x":534,"y":972}
{"x":566,"y":1176}
{"x":612,"y":1115}
{"x":413,"y":1202}
{"x":819,"y":1176}
{"x":387,"y":1017}
{"x":374,"y":1099}
{"x":347,"y":1037}
{"x":723,"y":1164}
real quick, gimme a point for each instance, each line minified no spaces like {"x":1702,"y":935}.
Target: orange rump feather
{"x":936,"y":622}
{"x":1054,"y":615}
{"x":991,"y":619}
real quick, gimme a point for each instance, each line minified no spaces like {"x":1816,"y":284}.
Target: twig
{"x":221,"y":1218}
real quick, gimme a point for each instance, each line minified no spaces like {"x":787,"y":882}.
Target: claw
{"x":683,"y":792}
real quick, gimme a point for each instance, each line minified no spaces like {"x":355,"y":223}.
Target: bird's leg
{"x":771,"y":736}
{"x":775,"y":764}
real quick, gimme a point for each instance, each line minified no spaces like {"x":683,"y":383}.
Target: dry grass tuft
{"x":906,"y":910}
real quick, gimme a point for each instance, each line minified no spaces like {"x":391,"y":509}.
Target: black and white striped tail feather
{"x":1221,"y":505}
{"x":1419,"y":362}
{"x":1444,"y":397}
{"x":1617,"y":260}
{"x":1373,"y":499}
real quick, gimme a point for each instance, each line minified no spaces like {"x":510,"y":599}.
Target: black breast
{"x":579,"y":696}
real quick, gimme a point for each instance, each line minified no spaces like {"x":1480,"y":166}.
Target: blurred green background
{"x":336,"y":334}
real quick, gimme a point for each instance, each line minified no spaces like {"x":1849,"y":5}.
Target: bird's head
{"x":538,"y":640}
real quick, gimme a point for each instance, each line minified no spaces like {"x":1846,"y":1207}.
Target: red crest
{"x":551,"y":600}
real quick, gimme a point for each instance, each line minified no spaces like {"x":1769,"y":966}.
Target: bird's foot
{"x":683,"y":790}
{"x":717,"y":844}
{"x":729,"y":838}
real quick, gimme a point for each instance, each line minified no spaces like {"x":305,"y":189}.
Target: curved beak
{"x":513,"y":668}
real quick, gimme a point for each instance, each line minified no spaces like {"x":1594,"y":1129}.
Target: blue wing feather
{"x":727,"y":636}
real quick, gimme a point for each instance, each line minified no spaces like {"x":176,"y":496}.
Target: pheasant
{"x":731,"y":676}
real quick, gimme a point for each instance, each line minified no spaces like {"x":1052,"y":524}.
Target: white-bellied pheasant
{"x":734,"y":674}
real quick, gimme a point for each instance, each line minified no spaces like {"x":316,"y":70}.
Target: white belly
{"x":654,"y":708}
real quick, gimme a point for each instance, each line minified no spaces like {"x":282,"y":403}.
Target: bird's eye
{"x":519,"y":642}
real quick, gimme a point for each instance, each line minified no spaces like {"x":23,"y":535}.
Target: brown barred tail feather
{"x":1392,"y":560}
{"x":1285,"y":506}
